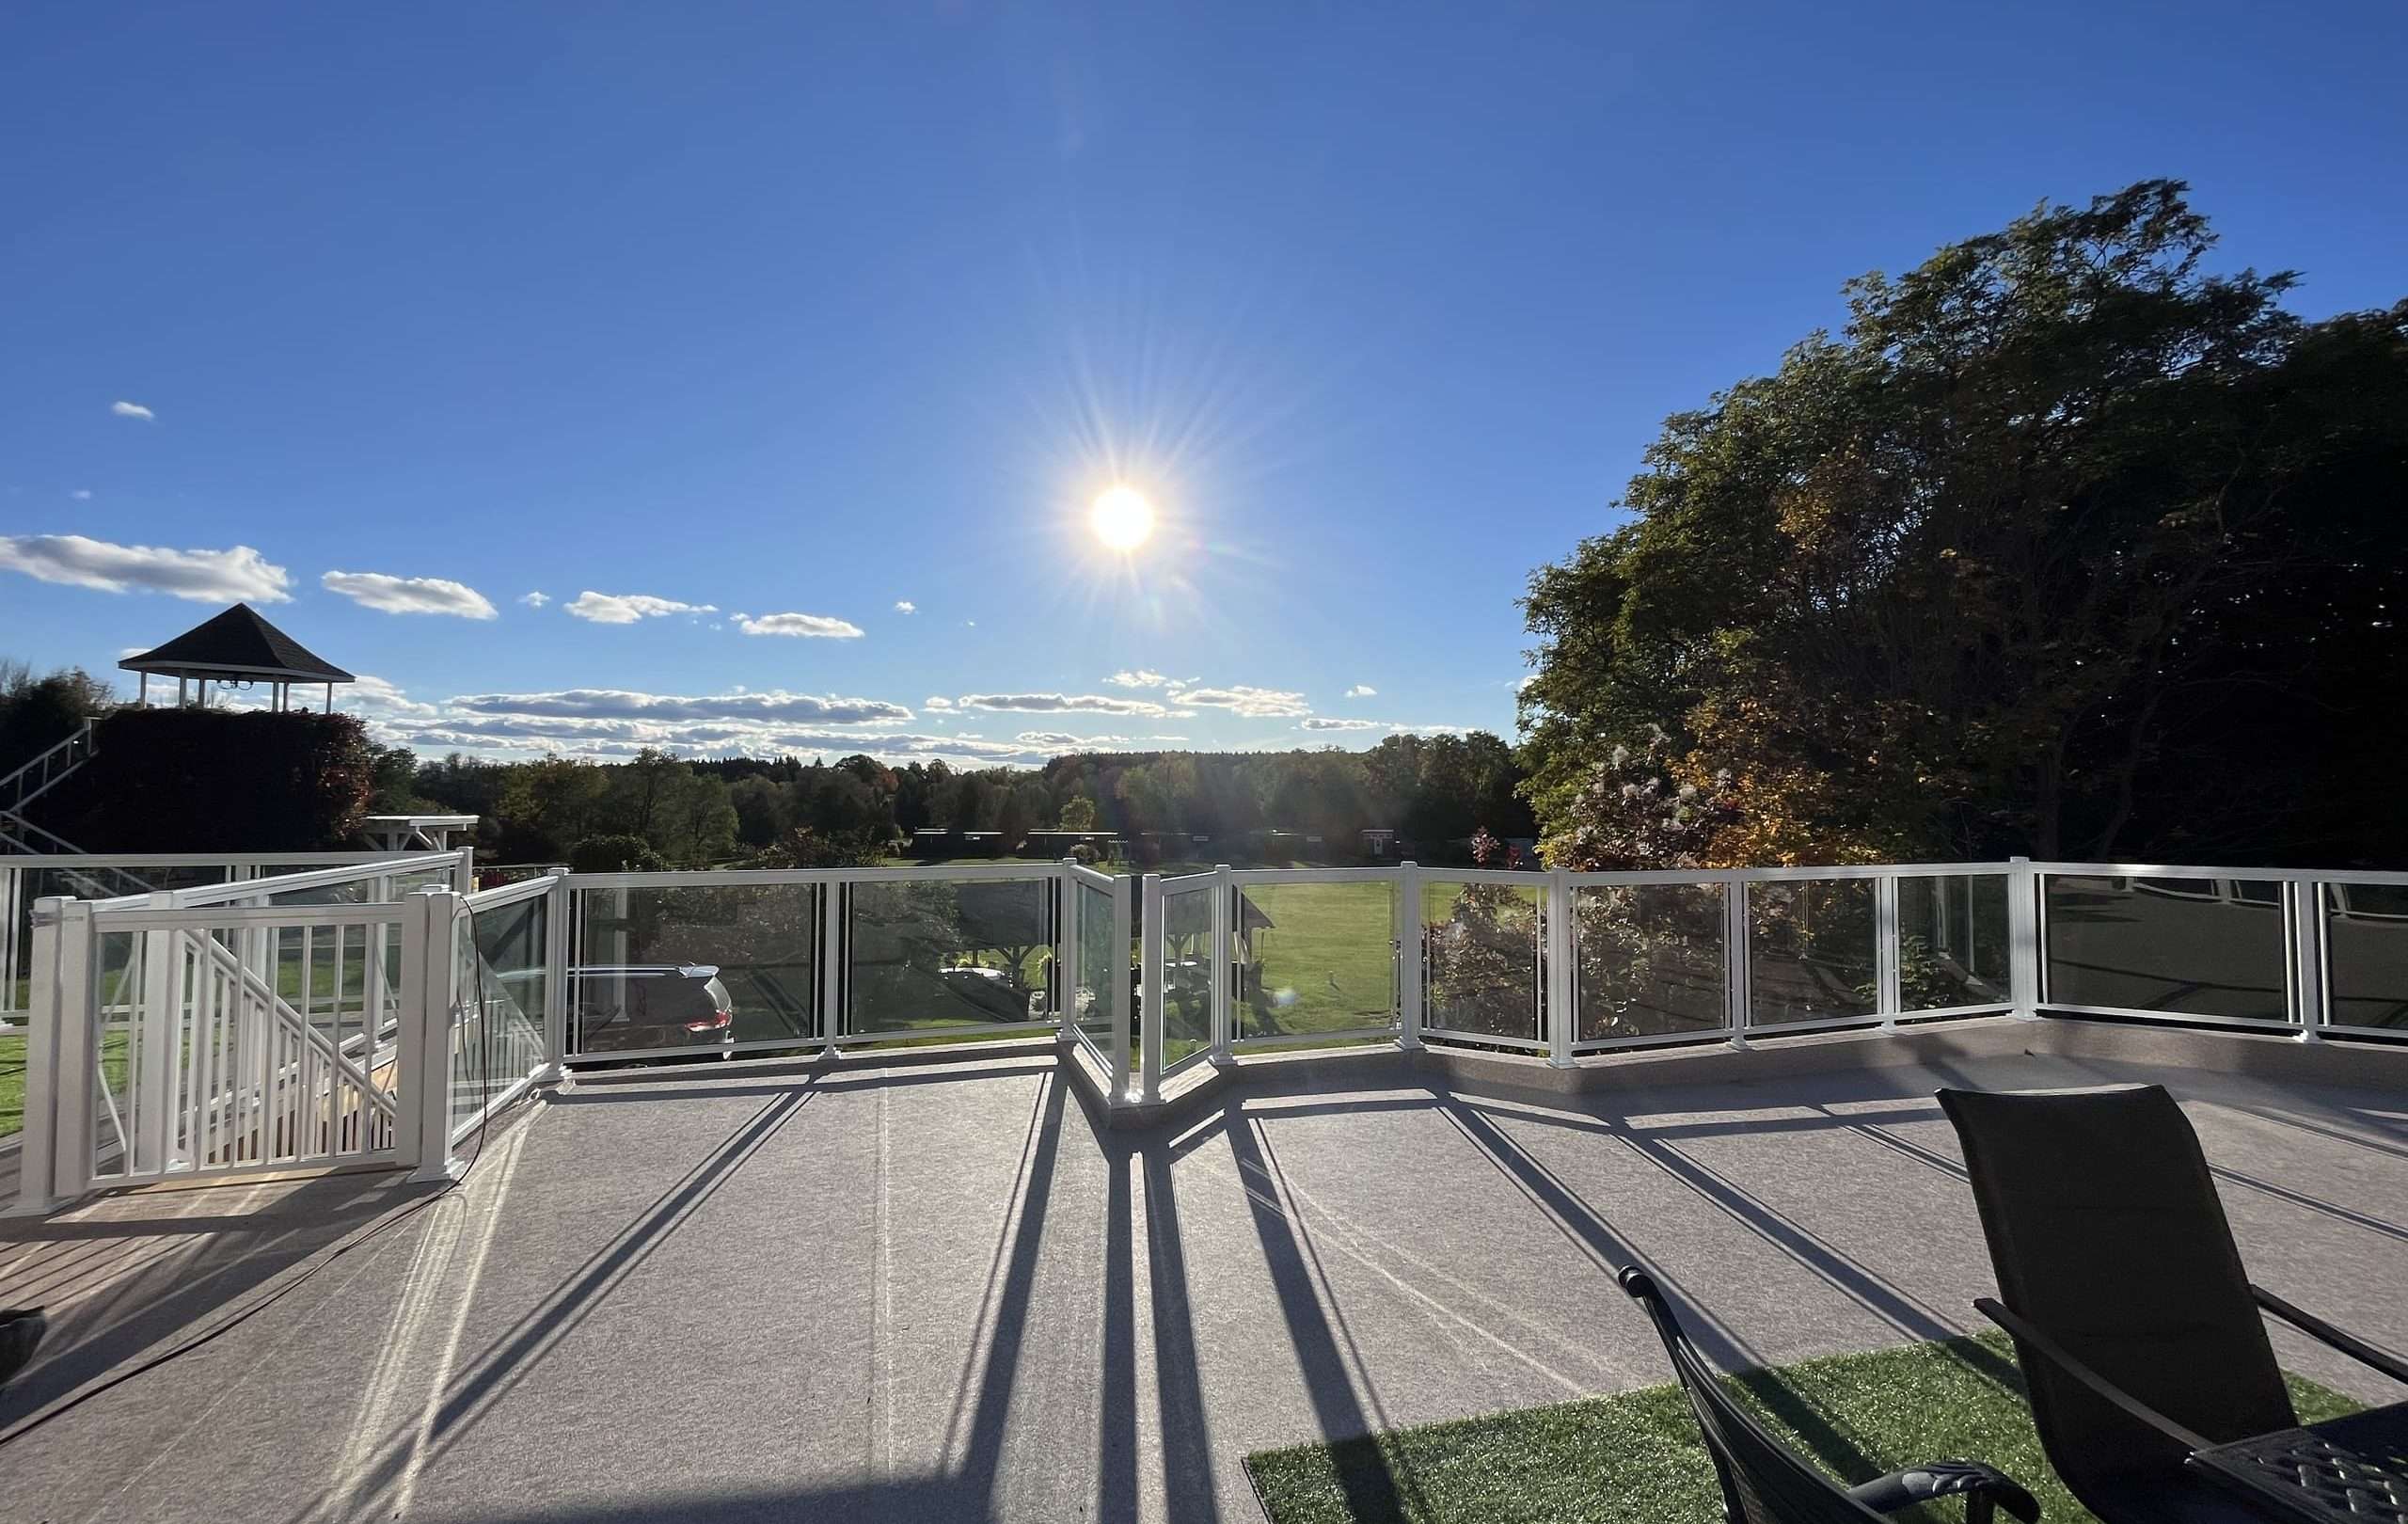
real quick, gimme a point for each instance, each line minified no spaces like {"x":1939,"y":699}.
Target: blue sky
{"x":826,"y":310}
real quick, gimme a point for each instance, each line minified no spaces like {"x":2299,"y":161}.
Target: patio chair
{"x":2139,"y":1335}
{"x":21,"y":1331}
{"x":1763,"y":1480}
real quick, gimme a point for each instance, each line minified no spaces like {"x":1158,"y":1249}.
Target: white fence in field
{"x":377,"y":1013}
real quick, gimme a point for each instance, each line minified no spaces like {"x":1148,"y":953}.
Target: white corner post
{"x":54,"y":1168}
{"x":1121,"y":933}
{"x":430,"y":965}
{"x":1226,"y":984}
{"x":1888,"y":994}
{"x":831,"y":965}
{"x":2024,"y":937}
{"x":1562,"y":994}
{"x":2304,"y":901}
{"x":158,"y":1049}
{"x":1408,"y":956}
{"x":1149,"y":1000}
{"x":1737,"y":968}
{"x":464,"y":871}
{"x":559,"y":907}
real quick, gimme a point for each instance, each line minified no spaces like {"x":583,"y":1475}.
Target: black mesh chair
{"x":1764,"y":1481}
{"x":2139,"y":1335}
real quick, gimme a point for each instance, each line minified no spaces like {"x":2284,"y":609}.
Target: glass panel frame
{"x":2365,"y":946}
{"x":2191,"y":948}
{"x":933,"y":956}
{"x":1650,"y":960}
{"x":763,"y":938}
{"x":1482,"y":959}
{"x":1813,"y":951}
{"x":1954,"y":941}
{"x":1313,"y":960}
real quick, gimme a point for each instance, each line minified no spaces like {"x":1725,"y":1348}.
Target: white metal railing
{"x":23,"y":784}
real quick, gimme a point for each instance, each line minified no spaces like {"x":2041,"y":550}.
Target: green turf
{"x":1636,"y":1458}
{"x":12,"y":1074}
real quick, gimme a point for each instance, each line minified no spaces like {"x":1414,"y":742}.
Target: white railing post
{"x":1118,"y":1089}
{"x":560,"y":909}
{"x":1737,"y":972}
{"x":1888,"y":997}
{"x":1149,"y":1001}
{"x":2304,"y":901}
{"x":1563,"y":1021}
{"x":54,"y":1168}
{"x":831,"y":964}
{"x":430,"y":964}
{"x":1227,"y":986}
{"x":1408,"y":955}
{"x":155,"y":1050}
{"x":2024,"y":938}
{"x":463,"y":871}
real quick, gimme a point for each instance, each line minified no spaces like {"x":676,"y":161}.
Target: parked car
{"x":624,"y":1007}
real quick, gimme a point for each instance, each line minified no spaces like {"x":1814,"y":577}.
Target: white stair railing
{"x":46,"y":771}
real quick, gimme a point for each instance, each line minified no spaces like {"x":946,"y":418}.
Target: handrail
{"x":241,"y":889}
{"x":81,"y":739}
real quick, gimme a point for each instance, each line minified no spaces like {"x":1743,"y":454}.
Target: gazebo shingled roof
{"x":238,"y":645}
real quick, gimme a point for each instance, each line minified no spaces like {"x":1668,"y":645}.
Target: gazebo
{"x":236,"y":649}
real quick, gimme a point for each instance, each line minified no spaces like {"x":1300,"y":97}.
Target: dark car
{"x":625,"y":1008}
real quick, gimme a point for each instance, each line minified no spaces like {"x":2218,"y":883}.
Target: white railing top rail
{"x":117,"y":915}
{"x":511,"y":894}
{"x":1775,"y":875}
{"x":1188,"y":884}
{"x":224,"y":860}
{"x":1080,"y":873}
{"x":250,"y":889}
{"x":2160,"y":870}
{"x":1335,"y":875}
{"x":732,"y":878}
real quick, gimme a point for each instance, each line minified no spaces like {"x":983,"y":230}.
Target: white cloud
{"x":127,"y":409}
{"x":1061,"y":703}
{"x":378,"y":697}
{"x":1061,"y":740}
{"x":202,"y":576}
{"x":618,"y":704}
{"x":1253,"y":703}
{"x":535,"y":600}
{"x":82,"y":494}
{"x":409,"y":595}
{"x":1140,"y":678}
{"x":1362,"y":690}
{"x":801,"y":624}
{"x":906,"y":606}
{"x":1341,"y":725}
{"x":626,"y":607}
{"x":936,"y":701}
{"x":1524,"y":681}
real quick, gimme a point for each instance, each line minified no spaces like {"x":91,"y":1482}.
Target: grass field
{"x":13,"y":1075}
{"x":1636,"y":1458}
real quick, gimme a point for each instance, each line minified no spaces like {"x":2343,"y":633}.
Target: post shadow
{"x":1188,"y":1485}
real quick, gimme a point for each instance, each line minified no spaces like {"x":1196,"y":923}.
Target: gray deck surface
{"x":944,"y":1294}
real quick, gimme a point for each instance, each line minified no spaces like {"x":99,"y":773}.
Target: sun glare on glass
{"x":1122,"y":518}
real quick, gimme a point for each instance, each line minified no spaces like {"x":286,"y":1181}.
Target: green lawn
{"x":1636,"y":1458}
{"x":13,"y":1075}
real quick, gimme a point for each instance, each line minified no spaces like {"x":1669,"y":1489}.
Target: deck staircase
{"x":19,"y":833}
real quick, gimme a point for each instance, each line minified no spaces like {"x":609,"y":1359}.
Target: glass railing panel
{"x":1314,"y":959}
{"x":1811,"y":950}
{"x":1480,"y":945}
{"x":1102,"y":979}
{"x":1951,"y":941}
{"x":924,"y":954}
{"x":756,"y":937}
{"x":2365,"y":939}
{"x":2182,"y":947}
{"x":1187,"y":974}
{"x":1651,"y":959}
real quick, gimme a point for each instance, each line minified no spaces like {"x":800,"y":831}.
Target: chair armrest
{"x":2099,"y":1387}
{"x":2316,"y":1327}
{"x":1948,"y":1479}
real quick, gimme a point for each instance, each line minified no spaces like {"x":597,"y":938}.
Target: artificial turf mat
{"x":1635,"y":1457}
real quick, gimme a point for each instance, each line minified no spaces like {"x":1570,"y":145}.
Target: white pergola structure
{"x":416,"y":833}
{"x":236,"y":649}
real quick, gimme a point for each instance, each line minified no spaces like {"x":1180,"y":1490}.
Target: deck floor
{"x":944,"y":1294}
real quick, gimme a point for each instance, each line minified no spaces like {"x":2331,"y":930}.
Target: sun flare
{"x":1122,"y":518}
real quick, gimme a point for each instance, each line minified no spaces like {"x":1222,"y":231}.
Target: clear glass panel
{"x":1315,"y":958}
{"x":1951,"y":941}
{"x":2366,"y":937}
{"x":925,"y":955}
{"x":508,"y":1008}
{"x":1187,"y":974}
{"x":628,"y":992}
{"x":1100,"y":993}
{"x":1809,"y":950}
{"x":1480,"y":946}
{"x":2192,"y":947}
{"x":1651,"y":959}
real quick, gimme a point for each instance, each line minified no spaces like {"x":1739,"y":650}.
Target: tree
{"x":2063,"y":546}
{"x":615,"y":855}
{"x":1078,"y":813}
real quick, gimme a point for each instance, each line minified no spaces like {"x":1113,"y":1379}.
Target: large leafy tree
{"x":2065,"y":545}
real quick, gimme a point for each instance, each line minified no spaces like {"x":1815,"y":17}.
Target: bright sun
{"x":1122,"y":517}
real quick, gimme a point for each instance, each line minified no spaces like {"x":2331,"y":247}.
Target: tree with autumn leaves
{"x":2068,"y":543}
